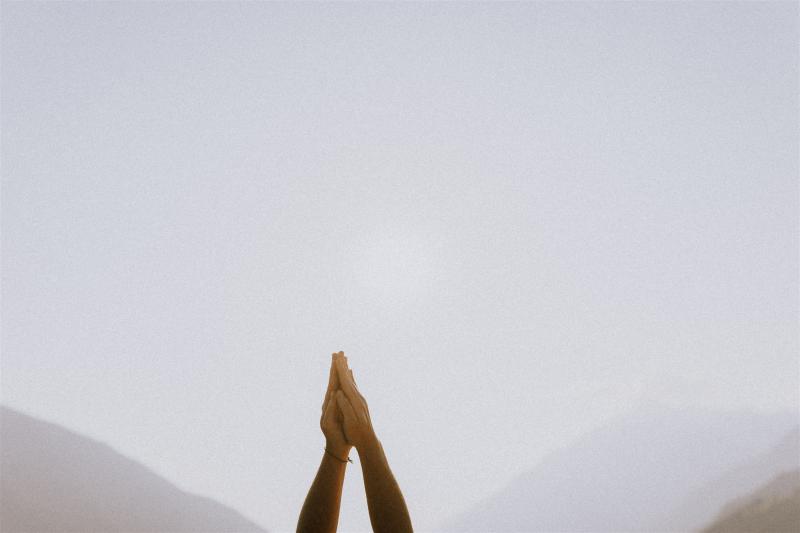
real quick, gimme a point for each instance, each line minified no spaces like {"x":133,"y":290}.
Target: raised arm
{"x":387,"y":508}
{"x":320,"y":511}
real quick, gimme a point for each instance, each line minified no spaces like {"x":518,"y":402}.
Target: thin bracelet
{"x":340,"y":460}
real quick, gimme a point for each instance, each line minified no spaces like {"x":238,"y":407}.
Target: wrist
{"x":331,"y":458}
{"x":338,"y":449}
{"x":369,"y":445}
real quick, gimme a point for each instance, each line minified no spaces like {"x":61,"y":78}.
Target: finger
{"x":353,"y":379}
{"x":327,"y":400}
{"x":361,"y":396}
{"x":350,"y":389}
{"x":328,"y":409}
{"x":333,"y":379}
{"x":346,"y":383}
{"x":346,"y":407}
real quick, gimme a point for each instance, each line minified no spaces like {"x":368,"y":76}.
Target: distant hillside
{"x":629,"y":474}
{"x":701,"y":506}
{"x":774,"y":508}
{"x":53,"y":480}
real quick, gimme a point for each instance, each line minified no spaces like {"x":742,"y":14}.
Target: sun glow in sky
{"x":395,"y":265}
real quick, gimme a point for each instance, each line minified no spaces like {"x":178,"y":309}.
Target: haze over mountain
{"x":56,"y":480}
{"x":773,"y":508}
{"x":701,"y":506}
{"x":629,"y":474}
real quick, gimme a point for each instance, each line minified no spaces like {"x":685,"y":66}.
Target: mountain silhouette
{"x":628,"y":475}
{"x":702,"y":505}
{"x":773,"y":508}
{"x":52,"y":479}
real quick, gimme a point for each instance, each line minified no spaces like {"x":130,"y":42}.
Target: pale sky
{"x":517,"y":220}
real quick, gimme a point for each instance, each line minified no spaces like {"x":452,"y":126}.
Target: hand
{"x":331,"y":420}
{"x":357,"y":424}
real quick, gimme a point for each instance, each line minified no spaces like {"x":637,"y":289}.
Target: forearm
{"x":320,"y":511}
{"x":387,"y":507}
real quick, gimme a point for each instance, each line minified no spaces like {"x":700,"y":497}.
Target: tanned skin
{"x":320,"y":511}
{"x":346,"y":423}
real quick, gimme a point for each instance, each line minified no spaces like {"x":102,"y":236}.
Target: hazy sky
{"x":517,"y":220}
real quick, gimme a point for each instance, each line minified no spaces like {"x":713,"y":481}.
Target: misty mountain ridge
{"x":630,"y":474}
{"x":56,"y":480}
{"x":773,"y":508}
{"x":701,"y":506}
